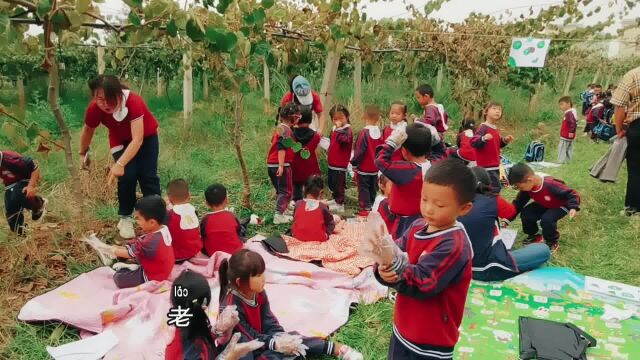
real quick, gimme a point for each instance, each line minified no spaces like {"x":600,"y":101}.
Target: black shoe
{"x":533,"y":239}
{"x":39,"y":214}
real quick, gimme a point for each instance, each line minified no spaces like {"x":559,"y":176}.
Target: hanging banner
{"x":528,"y":52}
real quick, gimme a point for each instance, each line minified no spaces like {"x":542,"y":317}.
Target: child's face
{"x":255,"y":284}
{"x":144,"y":224}
{"x":396,"y":114}
{"x":440,"y":206}
{"x":526,"y":185}
{"x":339,"y":119}
{"x":564,"y":106}
{"x":494,"y":113}
{"x":386,"y":188}
{"x":422,"y":99}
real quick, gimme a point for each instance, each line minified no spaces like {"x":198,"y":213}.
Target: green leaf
{"x":271,"y":60}
{"x":296,"y":147}
{"x":249,"y":19}
{"x":32,"y":132}
{"x":9,"y":130}
{"x":172,"y":28}
{"x":268,"y":4}
{"x":259,"y":16}
{"x":286,"y":142}
{"x":305,"y":154}
{"x":223,"y":5}
{"x":137,"y":4}
{"x":134,"y":19}
{"x":261,"y":48}
{"x":228,"y":42}
{"x":245,"y":89}
{"x":82,"y":5}
{"x":193,"y":31}
{"x":214,"y":35}
{"x":43,"y":8}
{"x":4,"y":23}
{"x":120,"y":54}
{"x":60,"y":21}
{"x":75,"y":19}
{"x":336,"y":6}
{"x":246,"y":31}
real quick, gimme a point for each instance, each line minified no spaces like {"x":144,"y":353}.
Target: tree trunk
{"x":596,"y":77}
{"x":237,"y":143}
{"x":440,"y":78}
{"x":567,"y":85}
{"x":328,"y":85}
{"x":187,"y":91}
{"x":101,"y":64}
{"x":160,"y":85}
{"x":22,"y":97}
{"x":266,"y":101}
{"x":357,"y":82}
{"x":205,"y":84}
{"x":534,"y":98}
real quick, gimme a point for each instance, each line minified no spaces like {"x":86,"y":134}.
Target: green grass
{"x":598,"y":242}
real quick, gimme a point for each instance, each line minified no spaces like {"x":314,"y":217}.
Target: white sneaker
{"x":281,"y":219}
{"x":347,"y":353}
{"x":119,"y":265}
{"x":125,"y":225}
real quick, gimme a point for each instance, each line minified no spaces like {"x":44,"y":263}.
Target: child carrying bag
{"x":535,"y":152}
{"x":550,"y":340}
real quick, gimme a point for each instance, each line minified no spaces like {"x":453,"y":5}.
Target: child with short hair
{"x":465,"y":151}
{"x":492,"y":261}
{"x":433,"y":119}
{"x":220,"y":229}
{"x":183,"y":223}
{"x":487,"y":141}
{"x":312,"y":220}
{"x":303,"y":168}
{"x":430,"y":267}
{"x":382,"y":202}
{"x":398,"y":118}
{"x":152,"y":251}
{"x":279,"y":161}
{"x":552,"y":200}
{"x":242,"y":281}
{"x":339,"y":154}
{"x":20,"y":175}
{"x":363,"y":159}
{"x":407,"y":175}
{"x":199,"y":340}
{"x":567,"y":129}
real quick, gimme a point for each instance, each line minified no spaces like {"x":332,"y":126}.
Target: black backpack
{"x":535,"y":152}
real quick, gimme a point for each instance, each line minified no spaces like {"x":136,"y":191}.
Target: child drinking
{"x":220,"y":229}
{"x":398,"y":118}
{"x":312,"y":220}
{"x":242,"y":282}
{"x":492,"y":261}
{"x":488,"y":142}
{"x":364,"y":156}
{"x":407,"y":175}
{"x":430,"y":266}
{"x":198,"y":340}
{"x":183,"y":223}
{"x":339,"y":154}
{"x":303,"y":168}
{"x":567,"y":129}
{"x":552,"y":200}
{"x":152,"y":251}
{"x":279,"y":161}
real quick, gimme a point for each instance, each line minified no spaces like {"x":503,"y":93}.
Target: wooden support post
{"x":440,"y":78}
{"x":22,"y":96}
{"x":266,"y":86}
{"x":101,"y":65}
{"x":357,"y":82}
{"x":567,"y":85}
{"x":328,"y":85}
{"x":596,"y":77}
{"x":205,"y":84}
{"x":187,"y":90}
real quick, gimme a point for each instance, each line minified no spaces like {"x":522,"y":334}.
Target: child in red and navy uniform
{"x":304,"y":168}
{"x":552,"y":200}
{"x":398,"y":118}
{"x":492,"y":261}
{"x":339,"y":154}
{"x":465,"y":151}
{"x":567,"y":129}
{"x":312,"y":220}
{"x":220,"y":229}
{"x":182,"y":222}
{"x":152,"y":251}
{"x":242,"y":282}
{"x":432,"y":113}
{"x":279,"y":161}
{"x":488,"y":142}
{"x":364,"y":156}
{"x":406,"y":175}
{"x":20,"y":175}
{"x":382,"y":202}
{"x":431,"y":268}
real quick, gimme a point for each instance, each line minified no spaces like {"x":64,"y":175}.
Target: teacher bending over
{"x":133,"y":139}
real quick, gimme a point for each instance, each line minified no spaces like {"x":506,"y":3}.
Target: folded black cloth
{"x":276,"y":244}
{"x":550,"y":340}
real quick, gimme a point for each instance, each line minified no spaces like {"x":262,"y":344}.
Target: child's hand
{"x":508,"y":139}
{"x":29,"y":191}
{"x":387,"y":274}
{"x":572,"y":213}
{"x":338,"y":124}
{"x":487,"y":137}
{"x":280,"y":171}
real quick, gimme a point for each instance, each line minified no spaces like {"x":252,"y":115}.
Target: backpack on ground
{"x":535,"y":152}
{"x":604,"y":131}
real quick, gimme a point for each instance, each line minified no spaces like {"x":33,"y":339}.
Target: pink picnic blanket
{"x":306,"y":298}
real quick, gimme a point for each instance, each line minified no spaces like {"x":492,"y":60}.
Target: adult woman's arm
{"x":322,"y":122}
{"x":30,"y":189}
{"x":137,"y":137}
{"x":85,"y":139}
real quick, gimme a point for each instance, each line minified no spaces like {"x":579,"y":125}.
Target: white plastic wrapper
{"x":105,"y":252}
{"x":324,"y":143}
{"x":227,"y":319}
{"x":235,"y":351}
{"x":377,"y":244}
{"x":290,"y":344}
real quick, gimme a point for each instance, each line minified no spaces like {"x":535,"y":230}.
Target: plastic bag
{"x":377,"y":244}
{"x":290,"y":344}
{"x":234,"y":351}
{"x":227,"y":319}
{"x":105,"y":251}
